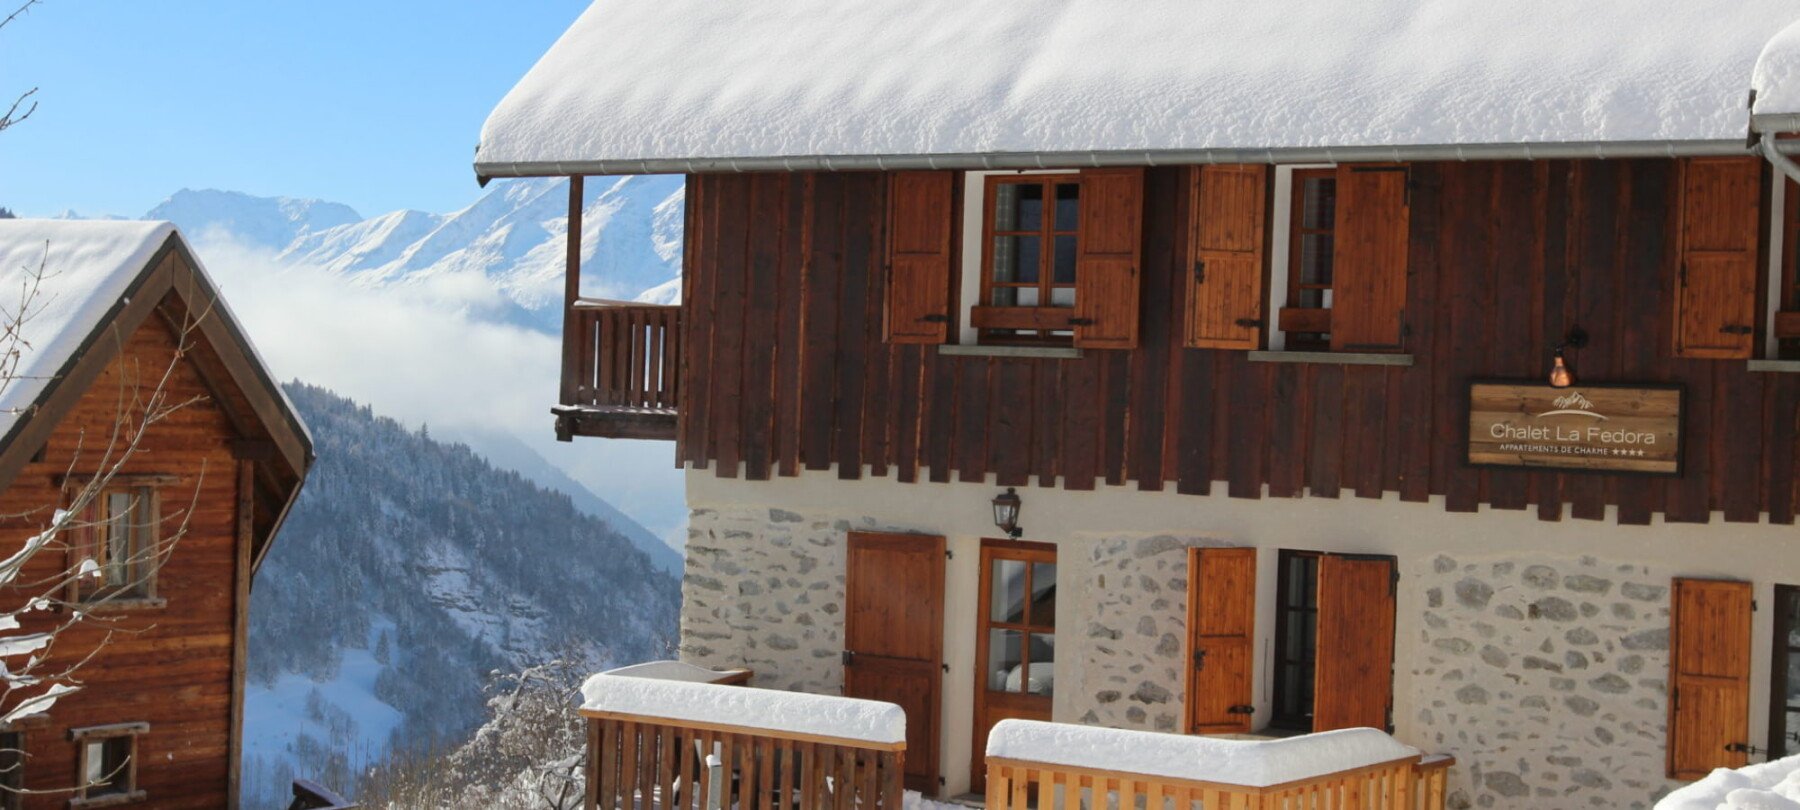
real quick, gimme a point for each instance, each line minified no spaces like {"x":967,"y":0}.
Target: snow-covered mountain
{"x":511,"y":237}
{"x":409,"y":570}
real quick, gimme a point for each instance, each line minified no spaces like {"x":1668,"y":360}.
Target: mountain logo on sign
{"x":1573,"y":404}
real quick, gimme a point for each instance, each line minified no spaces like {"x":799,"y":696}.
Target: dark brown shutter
{"x":1368,"y":266}
{"x":894,"y":636}
{"x":1106,"y":270}
{"x":921,"y":213}
{"x":1221,"y":625}
{"x":1709,"y":676}
{"x":1353,"y":679}
{"x":1715,"y":307}
{"x":1225,"y":290}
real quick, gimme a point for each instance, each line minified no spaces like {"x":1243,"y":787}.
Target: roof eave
{"x":485,"y":171}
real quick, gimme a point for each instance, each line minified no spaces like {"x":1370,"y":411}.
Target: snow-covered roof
{"x":86,"y":266}
{"x":794,"y":712}
{"x":1251,"y":763}
{"x":1776,"y":78}
{"x":651,"y":85}
{"x":82,"y":270}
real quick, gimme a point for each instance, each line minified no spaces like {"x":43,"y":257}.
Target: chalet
{"x":1220,"y":368}
{"x":134,"y":403}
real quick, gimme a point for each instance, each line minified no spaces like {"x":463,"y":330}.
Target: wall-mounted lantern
{"x":1560,"y":375}
{"x":1006,"y":513}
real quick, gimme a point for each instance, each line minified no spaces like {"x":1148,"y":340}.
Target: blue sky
{"x":375,"y":103}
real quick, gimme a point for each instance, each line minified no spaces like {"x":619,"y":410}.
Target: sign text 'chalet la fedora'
{"x":1613,"y":428}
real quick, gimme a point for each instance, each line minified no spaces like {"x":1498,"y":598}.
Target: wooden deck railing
{"x":1401,"y":784}
{"x":637,"y":762}
{"x":310,"y":795}
{"x":622,"y":355}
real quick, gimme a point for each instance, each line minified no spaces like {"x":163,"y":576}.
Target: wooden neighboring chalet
{"x":1183,"y":388}
{"x":123,"y":310}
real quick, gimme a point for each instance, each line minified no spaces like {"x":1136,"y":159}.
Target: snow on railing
{"x":1034,"y":764}
{"x":703,"y":746}
{"x":1763,"y":785}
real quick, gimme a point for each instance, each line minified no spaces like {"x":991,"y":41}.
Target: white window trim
{"x":1280,"y":227}
{"x":974,"y":211}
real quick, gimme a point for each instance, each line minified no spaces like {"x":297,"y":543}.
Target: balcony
{"x":621,"y":372}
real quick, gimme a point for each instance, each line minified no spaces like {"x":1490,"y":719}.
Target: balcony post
{"x":572,"y":337}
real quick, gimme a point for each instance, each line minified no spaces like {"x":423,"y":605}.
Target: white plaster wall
{"x":1420,"y":536}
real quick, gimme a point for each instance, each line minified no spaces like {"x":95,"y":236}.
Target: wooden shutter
{"x":1221,"y":626}
{"x":1353,"y":678}
{"x":894,"y":637}
{"x":1715,"y":306}
{"x":1225,"y":291}
{"x":1106,"y":268}
{"x":1709,"y":676}
{"x":921,"y":213}
{"x":1368,"y":265}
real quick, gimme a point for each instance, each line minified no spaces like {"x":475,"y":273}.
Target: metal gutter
{"x":1573,"y":150}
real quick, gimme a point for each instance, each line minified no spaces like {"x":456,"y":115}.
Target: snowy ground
{"x":1766,"y":786}
{"x":276,"y":719}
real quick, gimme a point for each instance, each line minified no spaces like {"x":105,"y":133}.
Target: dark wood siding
{"x":1502,"y":259}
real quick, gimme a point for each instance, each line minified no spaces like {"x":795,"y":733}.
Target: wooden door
{"x":1015,"y":640}
{"x":894,"y":637}
{"x":1353,"y":681}
{"x":1221,"y":627}
{"x":1709,"y":676}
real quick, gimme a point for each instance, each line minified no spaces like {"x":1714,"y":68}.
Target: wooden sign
{"x":1584,"y":427}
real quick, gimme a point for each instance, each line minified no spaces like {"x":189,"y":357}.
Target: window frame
{"x":1783,"y":295}
{"x":124,"y":734}
{"x":140,"y":586}
{"x":1307,"y":339}
{"x":1782,"y":741}
{"x":996,"y":324}
{"x":1279,"y":662}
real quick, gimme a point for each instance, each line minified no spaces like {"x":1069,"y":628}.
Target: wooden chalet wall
{"x":172,"y":665}
{"x":787,"y":369}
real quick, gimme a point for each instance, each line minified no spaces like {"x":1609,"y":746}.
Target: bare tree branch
{"x":12,"y":115}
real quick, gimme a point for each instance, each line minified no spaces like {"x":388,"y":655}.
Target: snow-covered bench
{"x":660,"y":743}
{"x":1063,"y":765}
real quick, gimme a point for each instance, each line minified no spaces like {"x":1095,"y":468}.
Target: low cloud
{"x":429,"y":352}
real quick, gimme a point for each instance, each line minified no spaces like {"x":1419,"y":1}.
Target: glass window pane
{"x":1319,"y":208}
{"x":1043,"y":595}
{"x":1063,"y":271}
{"x":1068,"y":202}
{"x":1003,"y":660}
{"x":1062,"y":297}
{"x":119,"y":527}
{"x":1006,"y":296}
{"x":1311,"y":299}
{"x":1315,"y":258}
{"x":1041,"y":673}
{"x":1016,"y":259}
{"x":1028,"y":296}
{"x":1309,"y":582}
{"x":1008,"y":592}
{"x":1793,"y":680}
{"x":1018,"y":207}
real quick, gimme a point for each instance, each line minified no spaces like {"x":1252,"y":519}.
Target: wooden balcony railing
{"x":663,"y":755}
{"x":1407,"y":782}
{"x":310,"y":795}
{"x":621,"y":370}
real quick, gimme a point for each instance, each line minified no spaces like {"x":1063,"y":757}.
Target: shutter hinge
{"x":849,"y":658}
{"x":1736,"y":329}
{"x":1249,"y":323}
{"x":1081,"y":321}
{"x":1199,"y":659}
{"x":1241,"y":708}
{"x":1745,"y":748}
{"x":935,"y":318}
{"x":949,"y":555}
{"x":1200,"y":272}
{"x":946,"y":668}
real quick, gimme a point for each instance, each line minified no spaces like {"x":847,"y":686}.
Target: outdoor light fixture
{"x":1560,"y":375}
{"x":1006,"y":513}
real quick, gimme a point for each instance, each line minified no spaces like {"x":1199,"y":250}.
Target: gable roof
{"x":678,"y":85}
{"x":99,"y":278}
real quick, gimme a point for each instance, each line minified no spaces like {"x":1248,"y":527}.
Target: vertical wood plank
{"x":823,"y":273}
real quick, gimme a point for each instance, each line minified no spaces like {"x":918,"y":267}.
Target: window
{"x":1784,"y":679}
{"x":1296,"y":631}
{"x":1030,"y":242}
{"x":115,"y":545}
{"x":1785,"y":300}
{"x":1342,"y":241}
{"x":107,"y":764}
{"x":12,"y":770}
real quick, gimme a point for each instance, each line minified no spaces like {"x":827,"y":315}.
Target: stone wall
{"x":764,"y":589}
{"x":1546,"y":679}
{"x":1131,"y":642}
